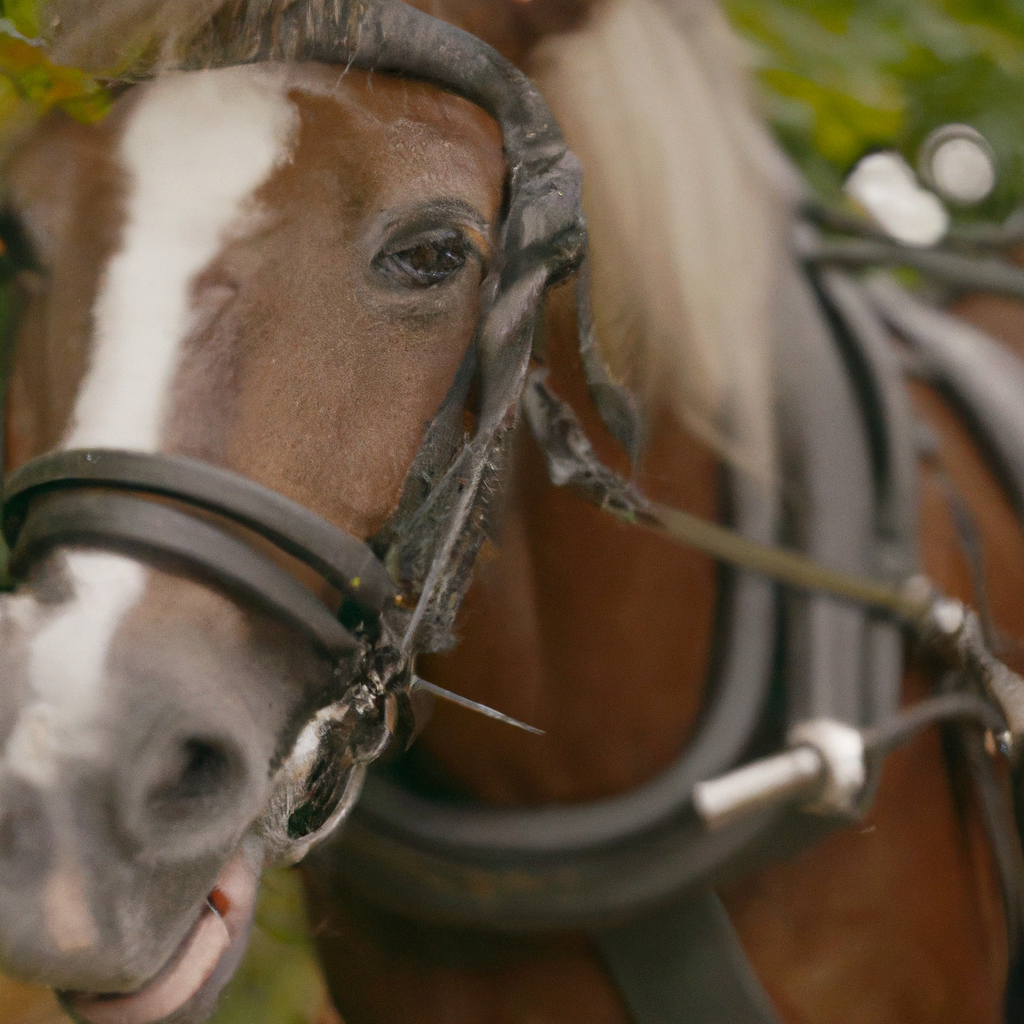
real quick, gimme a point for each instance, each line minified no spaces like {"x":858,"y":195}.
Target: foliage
{"x":23,"y":15}
{"x":30,"y":84}
{"x":844,"y":77}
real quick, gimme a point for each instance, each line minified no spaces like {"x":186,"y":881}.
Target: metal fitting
{"x":841,"y":748}
{"x":760,"y":784}
{"x":948,"y":616}
{"x":823,"y":771}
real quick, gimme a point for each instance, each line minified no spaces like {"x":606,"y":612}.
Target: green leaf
{"x":23,"y":15}
{"x":843,"y":77}
{"x":26,"y":72}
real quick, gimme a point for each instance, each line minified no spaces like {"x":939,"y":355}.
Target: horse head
{"x":270,"y":271}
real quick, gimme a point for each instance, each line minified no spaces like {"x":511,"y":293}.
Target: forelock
{"x":136,"y":38}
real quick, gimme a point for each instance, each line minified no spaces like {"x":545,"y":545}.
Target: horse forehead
{"x":201,"y":139}
{"x":389,"y":140}
{"x":210,"y":157}
{"x":194,"y":149}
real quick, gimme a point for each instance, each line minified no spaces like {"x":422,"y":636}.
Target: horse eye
{"x":429,"y":262}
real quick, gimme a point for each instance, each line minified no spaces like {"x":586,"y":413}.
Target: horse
{"x":165,"y":723}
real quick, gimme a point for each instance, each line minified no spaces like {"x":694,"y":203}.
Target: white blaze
{"x":66,"y":660}
{"x":194,"y":150}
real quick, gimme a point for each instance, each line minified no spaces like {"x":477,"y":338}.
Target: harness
{"x":586,"y":864}
{"x":616,"y":866}
{"x":637,"y":870}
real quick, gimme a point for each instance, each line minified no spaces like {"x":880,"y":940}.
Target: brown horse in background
{"x":599,"y":635}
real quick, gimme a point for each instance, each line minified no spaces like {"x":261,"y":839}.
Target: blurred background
{"x":840,"y":79}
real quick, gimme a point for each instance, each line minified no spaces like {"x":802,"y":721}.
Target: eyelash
{"x":429,"y":262}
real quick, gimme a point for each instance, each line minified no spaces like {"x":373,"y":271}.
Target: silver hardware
{"x":841,"y":748}
{"x":764,"y":783}
{"x":948,"y":616}
{"x":823,"y":771}
{"x":957,"y":161}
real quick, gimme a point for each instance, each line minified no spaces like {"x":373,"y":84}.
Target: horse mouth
{"x":222,"y":925}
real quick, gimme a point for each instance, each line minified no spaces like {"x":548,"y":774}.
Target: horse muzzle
{"x":187,"y":986}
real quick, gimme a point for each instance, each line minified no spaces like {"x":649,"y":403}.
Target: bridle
{"x":400,"y":593}
{"x":103,"y":498}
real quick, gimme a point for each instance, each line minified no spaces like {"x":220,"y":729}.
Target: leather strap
{"x":683,"y":964}
{"x":986,"y":382}
{"x":580,"y":865}
{"x":343,"y":560}
{"x":570,"y":866}
{"x":165,"y":536}
{"x":984,"y":378}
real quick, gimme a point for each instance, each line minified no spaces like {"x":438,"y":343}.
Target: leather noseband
{"x":91,"y":498}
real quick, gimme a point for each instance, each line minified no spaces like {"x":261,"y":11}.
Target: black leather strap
{"x":683,"y":964}
{"x":983,"y":377}
{"x":160,"y":534}
{"x":986,"y":382}
{"x":570,"y":866}
{"x":343,"y":560}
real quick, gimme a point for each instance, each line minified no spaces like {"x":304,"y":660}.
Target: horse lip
{"x":222,"y":922}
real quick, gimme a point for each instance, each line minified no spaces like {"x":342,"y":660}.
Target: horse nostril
{"x":187,"y":792}
{"x":25,"y":839}
{"x":195,"y":778}
{"x":201,"y":771}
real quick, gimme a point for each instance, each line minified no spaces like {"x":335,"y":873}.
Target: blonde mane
{"x":114,"y":38}
{"x":688,"y":201}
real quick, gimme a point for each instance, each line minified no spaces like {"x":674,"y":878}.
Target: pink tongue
{"x":182,"y":978}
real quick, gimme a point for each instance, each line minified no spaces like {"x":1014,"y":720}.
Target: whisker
{"x":472,"y":705}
